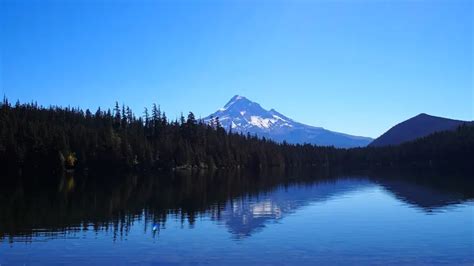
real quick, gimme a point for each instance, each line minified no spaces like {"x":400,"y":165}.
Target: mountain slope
{"x":415,"y":127}
{"x":242,"y":115}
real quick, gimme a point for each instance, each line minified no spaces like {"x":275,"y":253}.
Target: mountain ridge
{"x":416,"y":127}
{"x":243,"y":115}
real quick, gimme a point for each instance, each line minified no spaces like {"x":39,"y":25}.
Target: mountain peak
{"x":243,"y":115}
{"x":418,"y":126}
{"x":235,"y":99}
{"x":422,"y":115}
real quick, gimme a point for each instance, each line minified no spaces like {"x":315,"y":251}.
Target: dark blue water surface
{"x":237,"y":219}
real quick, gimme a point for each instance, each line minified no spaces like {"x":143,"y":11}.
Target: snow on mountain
{"x":242,"y":115}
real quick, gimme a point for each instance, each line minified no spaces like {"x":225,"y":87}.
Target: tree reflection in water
{"x":243,"y":202}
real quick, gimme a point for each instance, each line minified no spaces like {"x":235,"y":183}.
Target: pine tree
{"x":35,"y":139}
{"x":117,"y":116}
{"x":146,"y":117}
{"x":191,"y":119}
{"x":181,"y":119}
{"x":124,"y":117}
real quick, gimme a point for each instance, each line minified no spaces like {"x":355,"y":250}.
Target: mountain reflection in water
{"x":247,"y":215}
{"x":244,"y":203}
{"x":235,"y":218}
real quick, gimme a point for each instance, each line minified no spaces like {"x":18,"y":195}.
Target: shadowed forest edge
{"x":35,"y":139}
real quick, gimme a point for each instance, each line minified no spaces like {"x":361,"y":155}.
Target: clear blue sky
{"x":352,"y":66}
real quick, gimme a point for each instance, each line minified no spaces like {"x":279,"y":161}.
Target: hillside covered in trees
{"x":36,"y":139}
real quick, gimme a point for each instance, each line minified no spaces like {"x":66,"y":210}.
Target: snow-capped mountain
{"x":242,"y":115}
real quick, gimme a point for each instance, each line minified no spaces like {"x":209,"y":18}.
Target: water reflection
{"x":244,"y":203}
{"x":247,"y":215}
{"x":428,"y":192}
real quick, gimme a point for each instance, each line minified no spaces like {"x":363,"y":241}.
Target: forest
{"x":52,"y":140}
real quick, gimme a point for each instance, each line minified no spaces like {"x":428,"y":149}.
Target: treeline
{"x":446,"y":150}
{"x":51,"y":140}
{"x":34,"y":138}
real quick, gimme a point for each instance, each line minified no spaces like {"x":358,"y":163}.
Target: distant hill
{"x":242,"y":115}
{"x":416,"y":127}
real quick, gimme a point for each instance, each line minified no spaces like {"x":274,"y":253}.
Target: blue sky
{"x":352,"y":66}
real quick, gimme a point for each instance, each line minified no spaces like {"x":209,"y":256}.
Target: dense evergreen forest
{"x":35,"y":139}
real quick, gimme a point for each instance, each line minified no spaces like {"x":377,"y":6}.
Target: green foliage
{"x":71,"y":160}
{"x":31,"y":137}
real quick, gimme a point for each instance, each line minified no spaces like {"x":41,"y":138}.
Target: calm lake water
{"x":238,"y":219}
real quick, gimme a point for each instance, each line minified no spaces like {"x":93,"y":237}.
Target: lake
{"x":234,"y":218}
